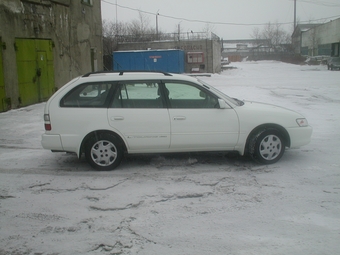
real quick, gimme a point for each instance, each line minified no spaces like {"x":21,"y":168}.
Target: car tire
{"x":267,"y":146}
{"x":104,"y":152}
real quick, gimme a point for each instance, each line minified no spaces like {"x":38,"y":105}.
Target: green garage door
{"x":35,"y":70}
{"x":2,"y":85}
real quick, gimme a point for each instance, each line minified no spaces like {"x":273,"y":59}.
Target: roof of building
{"x":303,"y":28}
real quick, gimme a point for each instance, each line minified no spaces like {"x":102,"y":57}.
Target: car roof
{"x":135,"y":75}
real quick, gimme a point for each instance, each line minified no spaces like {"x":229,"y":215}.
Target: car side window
{"x":183,"y":95}
{"x":137,"y":95}
{"x":87,"y":95}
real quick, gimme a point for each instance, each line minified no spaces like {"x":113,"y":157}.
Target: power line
{"x":216,"y":22}
{"x":322,"y":3}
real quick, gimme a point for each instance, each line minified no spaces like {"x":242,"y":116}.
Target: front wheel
{"x":104,"y":152}
{"x":267,"y":146}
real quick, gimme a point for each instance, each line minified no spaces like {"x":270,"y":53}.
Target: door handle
{"x":179,"y":118}
{"x":117,"y":118}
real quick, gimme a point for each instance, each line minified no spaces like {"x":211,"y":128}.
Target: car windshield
{"x":234,"y":101}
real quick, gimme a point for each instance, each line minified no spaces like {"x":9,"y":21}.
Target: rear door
{"x":140,"y":116}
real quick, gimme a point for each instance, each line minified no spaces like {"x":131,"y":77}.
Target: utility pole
{"x":294,"y":14}
{"x":157,"y":24}
{"x":116,"y":14}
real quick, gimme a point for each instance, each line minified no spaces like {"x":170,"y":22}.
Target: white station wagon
{"x":105,"y":115}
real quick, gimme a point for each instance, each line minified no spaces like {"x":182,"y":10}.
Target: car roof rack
{"x":121,"y":72}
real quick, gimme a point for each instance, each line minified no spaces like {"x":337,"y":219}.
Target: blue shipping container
{"x":171,"y":61}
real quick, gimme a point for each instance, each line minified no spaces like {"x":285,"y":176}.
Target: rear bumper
{"x":51,"y":142}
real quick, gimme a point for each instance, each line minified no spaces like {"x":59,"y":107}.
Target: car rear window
{"x":88,"y":95}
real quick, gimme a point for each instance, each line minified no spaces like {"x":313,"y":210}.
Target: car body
{"x":333,"y":63}
{"x":225,"y":61}
{"x":104,"y":115}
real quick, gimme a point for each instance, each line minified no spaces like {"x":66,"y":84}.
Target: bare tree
{"x":256,"y":34}
{"x":268,"y":33}
{"x":208,"y":29}
{"x":274,"y":34}
{"x":109,"y":33}
{"x":112,"y":34}
{"x":140,"y":29}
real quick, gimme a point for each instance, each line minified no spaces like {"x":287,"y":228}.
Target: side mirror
{"x":202,"y":94}
{"x":223,"y":104}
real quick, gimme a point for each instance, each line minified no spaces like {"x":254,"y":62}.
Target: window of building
{"x":335,"y":49}
{"x":87,"y":2}
{"x":195,"y":57}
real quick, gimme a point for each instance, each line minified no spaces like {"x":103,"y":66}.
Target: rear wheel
{"x":104,"y":152}
{"x":267,"y":146}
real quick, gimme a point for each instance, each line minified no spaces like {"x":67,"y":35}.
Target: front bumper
{"x":300,"y":136}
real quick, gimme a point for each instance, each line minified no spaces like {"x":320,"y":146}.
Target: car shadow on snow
{"x":69,"y":162}
{"x":165,"y":161}
{"x":179,"y":161}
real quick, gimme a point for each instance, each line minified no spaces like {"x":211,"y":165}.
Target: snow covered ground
{"x":193,"y":203}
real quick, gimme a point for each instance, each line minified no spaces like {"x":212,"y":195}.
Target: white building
{"x":318,"y":39}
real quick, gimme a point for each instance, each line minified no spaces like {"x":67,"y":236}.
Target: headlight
{"x":302,"y":122}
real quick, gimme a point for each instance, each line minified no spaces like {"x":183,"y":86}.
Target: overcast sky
{"x":229,"y":19}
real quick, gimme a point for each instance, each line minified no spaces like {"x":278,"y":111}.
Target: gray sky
{"x":229,"y":19}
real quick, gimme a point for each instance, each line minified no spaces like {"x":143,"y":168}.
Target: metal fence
{"x":188,"y":36}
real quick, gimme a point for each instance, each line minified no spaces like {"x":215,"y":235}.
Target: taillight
{"x":48,"y":126}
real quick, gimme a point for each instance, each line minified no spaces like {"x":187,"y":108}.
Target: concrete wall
{"x":74,"y":27}
{"x":210,"y":48}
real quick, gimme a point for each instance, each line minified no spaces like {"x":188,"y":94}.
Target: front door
{"x":197,"y":123}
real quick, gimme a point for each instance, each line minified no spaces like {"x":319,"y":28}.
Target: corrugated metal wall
{"x":154,"y":60}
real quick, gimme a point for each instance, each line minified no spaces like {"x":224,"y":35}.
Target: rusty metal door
{"x":35,"y":70}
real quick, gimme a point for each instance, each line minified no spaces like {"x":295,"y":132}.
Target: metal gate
{"x":3,"y":104}
{"x":35,"y":70}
